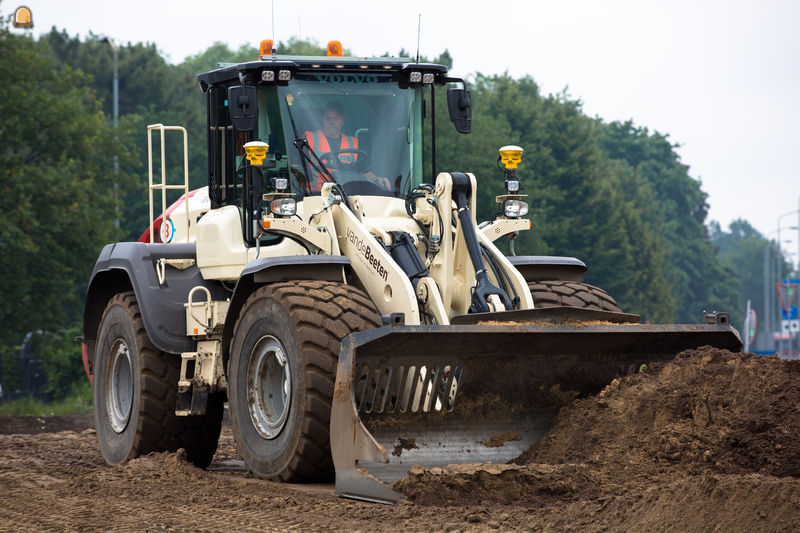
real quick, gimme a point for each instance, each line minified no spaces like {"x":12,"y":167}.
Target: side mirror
{"x":242,"y":105}
{"x":460,"y":107}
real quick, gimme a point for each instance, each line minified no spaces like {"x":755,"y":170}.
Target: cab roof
{"x":235,"y":71}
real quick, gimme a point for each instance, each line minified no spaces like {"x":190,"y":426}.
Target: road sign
{"x":790,"y":326}
{"x":786,"y":294}
{"x":750,"y":324}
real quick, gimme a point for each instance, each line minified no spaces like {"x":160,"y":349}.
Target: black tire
{"x":285,"y":436}
{"x":133,"y":378}
{"x":556,"y":293}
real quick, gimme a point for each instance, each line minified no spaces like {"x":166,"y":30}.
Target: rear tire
{"x":135,"y":392}
{"x":282,"y":370}
{"x":557,"y":293}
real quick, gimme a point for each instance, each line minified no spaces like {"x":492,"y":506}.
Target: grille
{"x":407,"y":389}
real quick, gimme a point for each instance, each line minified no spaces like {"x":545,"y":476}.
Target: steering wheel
{"x":361,"y":164}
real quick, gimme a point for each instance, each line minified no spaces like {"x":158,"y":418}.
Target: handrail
{"x":163,"y":187}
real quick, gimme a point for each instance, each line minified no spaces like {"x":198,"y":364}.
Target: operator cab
{"x":384,"y":108}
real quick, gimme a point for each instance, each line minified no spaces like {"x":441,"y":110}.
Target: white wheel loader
{"x":346,"y":303}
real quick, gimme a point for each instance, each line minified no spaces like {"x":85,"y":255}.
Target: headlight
{"x":427,"y":78}
{"x":284,"y":75}
{"x":285,"y":207}
{"x":515,"y":208}
{"x":415,"y":77}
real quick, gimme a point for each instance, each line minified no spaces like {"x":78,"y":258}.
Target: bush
{"x":62,"y":361}
{"x":47,"y":366}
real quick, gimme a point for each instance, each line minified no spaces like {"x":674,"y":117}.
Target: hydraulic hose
{"x":483,"y":286}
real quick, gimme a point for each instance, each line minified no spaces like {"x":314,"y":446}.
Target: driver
{"x":331,"y":139}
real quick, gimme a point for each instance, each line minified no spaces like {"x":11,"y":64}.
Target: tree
{"x":695,"y":275}
{"x":583,"y":204}
{"x":741,"y":250}
{"x":57,"y":205}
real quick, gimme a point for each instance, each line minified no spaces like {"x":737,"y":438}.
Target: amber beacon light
{"x":511,"y":156}
{"x":266,"y":48}
{"x":334,"y":49}
{"x":23,"y":18}
{"x":256,"y":152}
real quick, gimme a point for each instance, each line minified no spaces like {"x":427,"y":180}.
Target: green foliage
{"x":57,"y":202}
{"x":215,"y":54}
{"x":77,"y":402}
{"x":694,"y":273}
{"x":11,"y":367}
{"x":61,"y":359}
{"x":584,"y":203}
{"x":58,"y":356}
{"x":741,"y":250}
{"x":442,"y":59}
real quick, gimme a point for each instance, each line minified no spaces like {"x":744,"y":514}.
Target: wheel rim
{"x":269,"y":387}
{"x":119,"y":393}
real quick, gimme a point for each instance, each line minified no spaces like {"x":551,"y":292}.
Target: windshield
{"x":364,"y":129}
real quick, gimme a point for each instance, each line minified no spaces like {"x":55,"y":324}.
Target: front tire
{"x":135,"y":392}
{"x":282,"y":370}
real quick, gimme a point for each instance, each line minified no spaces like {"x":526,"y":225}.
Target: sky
{"x":721,"y":78}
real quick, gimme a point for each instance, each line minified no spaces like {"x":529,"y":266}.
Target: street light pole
{"x":115,"y":115}
{"x":766,"y":314}
{"x":780,"y":255}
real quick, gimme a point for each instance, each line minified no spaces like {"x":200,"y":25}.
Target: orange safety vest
{"x":318,"y":139}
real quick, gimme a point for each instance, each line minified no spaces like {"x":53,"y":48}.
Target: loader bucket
{"x":482,"y":392}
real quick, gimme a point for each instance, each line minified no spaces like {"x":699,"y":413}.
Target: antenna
{"x":273,"y":23}
{"x":299,"y":27}
{"x":419,"y":24}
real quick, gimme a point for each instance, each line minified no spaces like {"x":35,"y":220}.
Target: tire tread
{"x":555,"y":293}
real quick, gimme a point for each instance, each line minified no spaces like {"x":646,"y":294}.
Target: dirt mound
{"x":708,"y":409}
{"x":164,"y":464}
{"x":652,"y":447}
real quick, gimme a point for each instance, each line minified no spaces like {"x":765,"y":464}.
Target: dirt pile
{"x":708,"y":438}
{"x":707,"y":410}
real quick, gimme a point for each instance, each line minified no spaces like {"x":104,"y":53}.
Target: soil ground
{"x":707,"y":442}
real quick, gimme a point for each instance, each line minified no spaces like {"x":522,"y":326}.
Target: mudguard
{"x":539,"y":267}
{"x":286,"y":268}
{"x":132,"y":266}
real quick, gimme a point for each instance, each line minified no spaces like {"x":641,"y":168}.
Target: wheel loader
{"x":346,"y":303}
